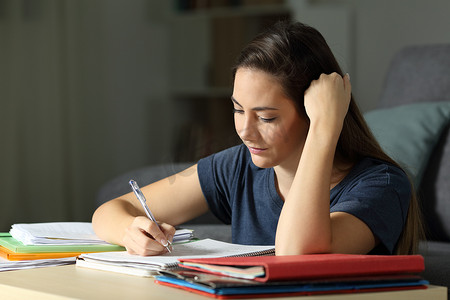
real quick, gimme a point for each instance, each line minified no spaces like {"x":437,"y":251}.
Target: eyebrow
{"x":258,"y":108}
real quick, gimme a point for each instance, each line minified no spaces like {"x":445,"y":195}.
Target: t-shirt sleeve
{"x":216,"y":174}
{"x":380,"y":199}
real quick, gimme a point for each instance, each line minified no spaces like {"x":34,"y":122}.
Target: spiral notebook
{"x":147,"y":266}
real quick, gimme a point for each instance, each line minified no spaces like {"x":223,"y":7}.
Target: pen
{"x":141,"y":198}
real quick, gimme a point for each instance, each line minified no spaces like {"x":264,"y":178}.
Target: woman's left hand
{"x":327,"y":100}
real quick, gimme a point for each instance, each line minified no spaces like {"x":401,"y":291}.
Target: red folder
{"x":280,"y":268}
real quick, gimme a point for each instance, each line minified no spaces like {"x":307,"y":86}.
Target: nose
{"x":247,"y":128}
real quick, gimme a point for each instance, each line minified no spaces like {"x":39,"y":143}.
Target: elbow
{"x":102,"y":224}
{"x":96,"y":223}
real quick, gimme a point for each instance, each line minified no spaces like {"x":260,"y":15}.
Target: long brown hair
{"x":296,"y":54}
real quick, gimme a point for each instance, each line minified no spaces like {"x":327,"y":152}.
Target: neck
{"x":340,"y":170}
{"x":284,"y":176}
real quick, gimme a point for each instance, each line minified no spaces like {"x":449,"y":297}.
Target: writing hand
{"x":144,"y":237}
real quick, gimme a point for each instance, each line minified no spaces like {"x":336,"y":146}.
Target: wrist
{"x":326,"y":134}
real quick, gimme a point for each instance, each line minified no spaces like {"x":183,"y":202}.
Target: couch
{"x":417,"y":85}
{"x":411,"y":123}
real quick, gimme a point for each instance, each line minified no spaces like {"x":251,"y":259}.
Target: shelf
{"x":204,"y":45}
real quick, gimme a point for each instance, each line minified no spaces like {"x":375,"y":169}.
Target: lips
{"x":255,"y":150}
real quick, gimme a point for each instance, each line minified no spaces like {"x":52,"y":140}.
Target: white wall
{"x":83,"y":98}
{"x":136,"y":82}
{"x":383,"y":27}
{"x":376,"y":30}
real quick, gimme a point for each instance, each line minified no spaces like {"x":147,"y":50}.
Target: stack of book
{"x":55,"y":243}
{"x":51,"y":241}
{"x":270,"y":276}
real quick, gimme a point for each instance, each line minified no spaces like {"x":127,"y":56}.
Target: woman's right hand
{"x":144,"y":237}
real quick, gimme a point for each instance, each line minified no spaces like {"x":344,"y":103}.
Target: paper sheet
{"x":67,"y":233}
{"x":197,"y":249}
{"x":55,"y":233}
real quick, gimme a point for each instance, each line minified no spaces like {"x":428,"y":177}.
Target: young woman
{"x":308,"y":177}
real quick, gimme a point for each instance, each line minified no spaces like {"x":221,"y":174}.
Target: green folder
{"x":7,"y":241}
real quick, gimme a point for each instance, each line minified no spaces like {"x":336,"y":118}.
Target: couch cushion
{"x":219,"y":232}
{"x":409,"y":133}
{"x":419,"y":73}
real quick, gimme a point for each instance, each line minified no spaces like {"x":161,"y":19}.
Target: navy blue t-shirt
{"x":245,"y":196}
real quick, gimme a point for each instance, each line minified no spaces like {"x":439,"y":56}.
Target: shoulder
{"x":225,"y":166}
{"x":378,"y":193}
{"x":375,"y":173}
{"x":226,"y":159}
{"x":235,"y":152}
{"x":376,"y":181}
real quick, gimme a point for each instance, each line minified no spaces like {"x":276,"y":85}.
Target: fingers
{"x":143,"y":237}
{"x":140,"y":244}
{"x":340,"y":81}
{"x":168,"y":231}
{"x":326,"y":102}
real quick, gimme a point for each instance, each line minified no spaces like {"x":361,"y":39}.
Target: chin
{"x":263,"y":163}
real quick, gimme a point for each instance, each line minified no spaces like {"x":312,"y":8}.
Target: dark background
{"x":90,"y":89}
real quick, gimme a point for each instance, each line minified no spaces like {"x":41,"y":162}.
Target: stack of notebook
{"x":51,"y":241}
{"x":270,"y":276}
{"x":55,"y":243}
{"x":14,"y":250}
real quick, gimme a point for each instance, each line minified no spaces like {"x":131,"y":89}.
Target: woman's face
{"x":266,"y":120}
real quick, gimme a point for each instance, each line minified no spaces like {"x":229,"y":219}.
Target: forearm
{"x":112,"y":218}
{"x":304,"y":225}
{"x":173,"y":201}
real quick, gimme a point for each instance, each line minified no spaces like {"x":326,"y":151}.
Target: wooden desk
{"x":71,"y":282}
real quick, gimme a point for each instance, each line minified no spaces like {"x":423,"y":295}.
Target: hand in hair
{"x":326,"y":102}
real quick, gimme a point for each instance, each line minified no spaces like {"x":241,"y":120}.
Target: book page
{"x":198,"y":249}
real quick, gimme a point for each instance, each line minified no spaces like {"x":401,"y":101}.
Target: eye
{"x":237,"y":111}
{"x":267,"y":120}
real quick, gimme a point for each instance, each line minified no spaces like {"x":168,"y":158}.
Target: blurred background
{"x":90,"y":89}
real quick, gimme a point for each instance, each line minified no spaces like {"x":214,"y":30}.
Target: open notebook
{"x":147,"y":266}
